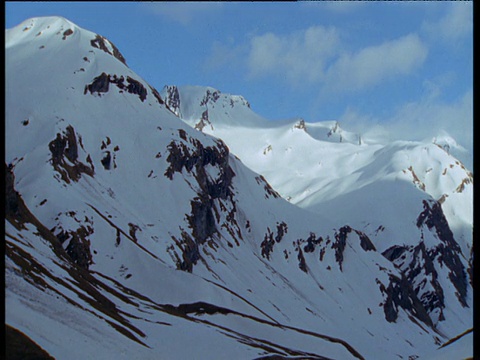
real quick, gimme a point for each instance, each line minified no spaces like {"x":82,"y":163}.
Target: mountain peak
{"x":36,"y":27}
{"x":49,"y":30}
{"x":126,"y":228}
{"x":205,"y":107}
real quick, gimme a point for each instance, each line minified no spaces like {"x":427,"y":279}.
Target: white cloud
{"x":430,"y":116}
{"x":314,"y":56}
{"x":456,"y":24}
{"x":226,"y":55}
{"x":375,"y":64}
{"x":300,"y":56}
{"x":184,"y":11}
{"x":420,"y":120}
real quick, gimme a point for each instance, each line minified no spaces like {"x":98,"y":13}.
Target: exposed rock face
{"x":420,"y":264}
{"x":66,"y":33}
{"x":399,"y":294}
{"x":65,"y":146}
{"x":302,"y":264}
{"x":192,"y":156}
{"x":267,"y":244}
{"x":340,"y":243}
{"x":157,"y":95}
{"x":312,"y":242}
{"x":78,"y":245}
{"x":210,"y":96}
{"x":102,"y":43}
{"x":173,"y":100}
{"x":448,"y":251}
{"x":135,"y":87}
{"x":417,"y":265}
{"x":101,"y":84}
{"x":269,"y":240}
{"x":365,"y":242}
{"x":267,"y":187}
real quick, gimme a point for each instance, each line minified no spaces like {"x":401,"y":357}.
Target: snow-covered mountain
{"x":129,"y":234}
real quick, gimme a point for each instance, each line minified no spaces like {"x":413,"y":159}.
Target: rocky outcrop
{"x":64,"y":150}
{"x":267,"y":187}
{"x":102,"y":43}
{"x":416,"y":263}
{"x":448,"y":251}
{"x":156,"y":94}
{"x":173,"y":100}
{"x":78,"y":244}
{"x":340,"y":243}
{"x":210,"y":96}
{"x":400,"y":294}
{"x":267,"y":244}
{"x":72,"y":246}
{"x":190,"y":155}
{"x":312,"y":242}
{"x":67,"y":33}
{"x":101,"y":84}
{"x":269,"y":239}
{"x":421,"y":264}
{"x":300,"y":125}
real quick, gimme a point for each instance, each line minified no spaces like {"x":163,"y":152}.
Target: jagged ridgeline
{"x":131,"y":234}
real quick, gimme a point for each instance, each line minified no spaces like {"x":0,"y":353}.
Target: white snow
{"x":139,"y":219}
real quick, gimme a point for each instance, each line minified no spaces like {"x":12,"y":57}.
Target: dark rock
{"x":202,"y":220}
{"x":269,"y":240}
{"x":302,"y":264}
{"x":282,"y":229}
{"x":394,"y":252}
{"x":340,"y":243}
{"x":365,"y":241}
{"x":210,"y":96}
{"x":399,"y":294}
{"x":267,"y":244}
{"x":449,"y":251}
{"x":100,"y":84}
{"x":312,"y":242}
{"x":190,"y":253}
{"x":156,"y":94}
{"x":136,"y":87}
{"x":193,"y":158}
{"x":133,"y":231}
{"x":17,"y":345}
{"x":99,"y":42}
{"x":66,"y":146}
{"x":67,"y":33}
{"x":268,"y":189}
{"x":173,"y":100}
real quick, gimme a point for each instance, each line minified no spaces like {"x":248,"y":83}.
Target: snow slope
{"x":375,"y":186}
{"x":130,"y":234}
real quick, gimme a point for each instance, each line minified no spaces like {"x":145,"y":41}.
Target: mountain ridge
{"x":125,"y":218}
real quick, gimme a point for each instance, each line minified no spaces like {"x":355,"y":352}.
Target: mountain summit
{"x":131,"y":234}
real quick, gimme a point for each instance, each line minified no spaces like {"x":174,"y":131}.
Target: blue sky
{"x":404,"y":67}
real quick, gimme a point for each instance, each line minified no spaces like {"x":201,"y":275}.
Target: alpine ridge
{"x":132,"y":232}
